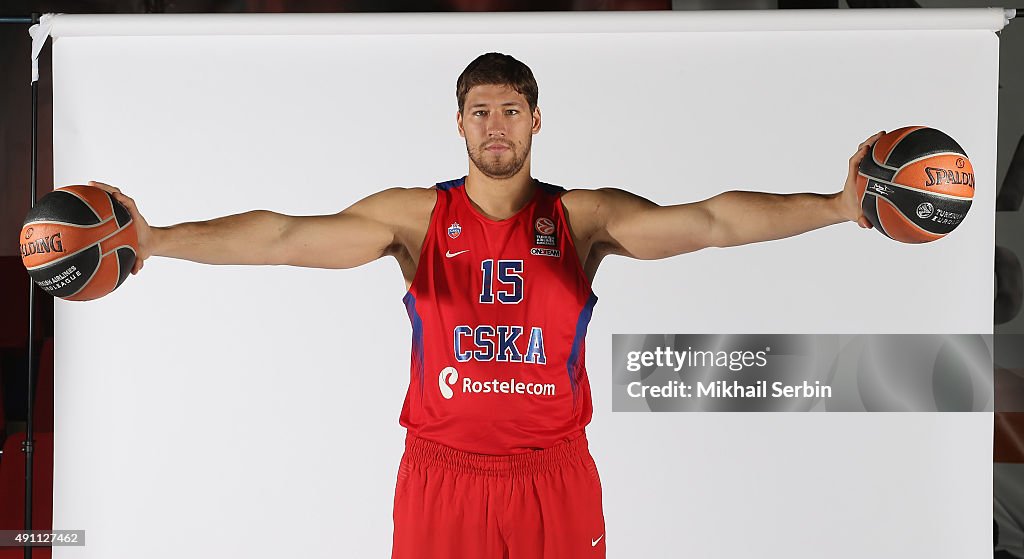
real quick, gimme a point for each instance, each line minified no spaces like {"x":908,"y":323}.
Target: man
{"x":498,"y":268}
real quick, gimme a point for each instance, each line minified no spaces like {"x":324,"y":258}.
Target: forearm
{"x":248,"y":238}
{"x":740,"y":217}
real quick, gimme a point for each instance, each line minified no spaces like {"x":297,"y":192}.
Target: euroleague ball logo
{"x":960,"y":162}
{"x":925,"y":210}
{"x":544,"y":226}
{"x":446,"y":380}
{"x":28,"y":233}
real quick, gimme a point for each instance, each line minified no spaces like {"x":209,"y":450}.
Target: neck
{"x":499,"y":198}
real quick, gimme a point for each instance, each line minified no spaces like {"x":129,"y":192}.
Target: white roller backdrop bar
{"x":990,"y":19}
{"x":208,"y":411}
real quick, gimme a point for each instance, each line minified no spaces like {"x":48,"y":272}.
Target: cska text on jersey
{"x":499,"y":343}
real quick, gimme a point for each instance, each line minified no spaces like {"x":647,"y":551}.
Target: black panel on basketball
{"x":870,"y":168}
{"x":68,"y":276}
{"x":125,"y":259}
{"x":64,"y":208}
{"x":121,"y":214}
{"x":871,"y":212}
{"x":920,"y":143}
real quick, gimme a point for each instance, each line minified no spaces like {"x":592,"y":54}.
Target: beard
{"x":501,"y":166}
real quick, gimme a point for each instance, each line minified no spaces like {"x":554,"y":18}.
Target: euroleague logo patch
{"x":545,"y":232}
{"x":925,"y":210}
{"x":454,"y":230}
{"x":544,"y":226}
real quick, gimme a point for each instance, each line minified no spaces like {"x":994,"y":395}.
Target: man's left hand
{"x":850,"y":202}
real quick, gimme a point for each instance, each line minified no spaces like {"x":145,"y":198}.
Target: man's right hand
{"x":142,"y":229}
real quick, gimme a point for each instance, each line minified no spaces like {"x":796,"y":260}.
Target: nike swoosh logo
{"x":593,"y":543}
{"x":450,"y":254}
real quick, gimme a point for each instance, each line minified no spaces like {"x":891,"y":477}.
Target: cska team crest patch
{"x":454,"y":230}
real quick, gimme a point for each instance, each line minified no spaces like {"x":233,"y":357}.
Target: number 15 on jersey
{"x":509,"y":290}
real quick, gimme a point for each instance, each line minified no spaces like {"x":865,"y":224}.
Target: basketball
{"x":915,"y":184}
{"x":78,"y":243}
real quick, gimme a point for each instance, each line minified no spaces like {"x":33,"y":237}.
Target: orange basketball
{"x":78,"y":243}
{"x":916,"y":184}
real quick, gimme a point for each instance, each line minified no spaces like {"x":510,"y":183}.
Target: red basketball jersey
{"x":499,"y":313}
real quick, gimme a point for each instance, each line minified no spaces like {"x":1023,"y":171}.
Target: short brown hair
{"x":495,"y":68}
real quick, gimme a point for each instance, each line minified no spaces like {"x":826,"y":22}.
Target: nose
{"x":496,"y":125}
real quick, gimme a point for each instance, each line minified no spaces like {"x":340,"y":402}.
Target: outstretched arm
{"x":636,"y":227}
{"x":359,"y":234}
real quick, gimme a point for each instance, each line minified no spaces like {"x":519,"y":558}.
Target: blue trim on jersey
{"x":454,"y":183}
{"x":581,"y":333}
{"x":417,"y":335}
{"x":550,"y":188}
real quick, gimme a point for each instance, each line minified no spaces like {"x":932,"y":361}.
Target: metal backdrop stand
{"x":29,"y":429}
{"x":27,"y":446}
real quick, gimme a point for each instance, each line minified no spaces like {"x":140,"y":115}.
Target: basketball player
{"x":496,"y":462}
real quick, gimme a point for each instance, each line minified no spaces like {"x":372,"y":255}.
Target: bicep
{"x":639,"y":228}
{"x":355,"y":236}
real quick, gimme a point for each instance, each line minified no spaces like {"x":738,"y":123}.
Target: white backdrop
{"x":237,"y":411}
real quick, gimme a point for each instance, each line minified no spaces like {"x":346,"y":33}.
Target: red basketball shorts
{"x":451,"y":504}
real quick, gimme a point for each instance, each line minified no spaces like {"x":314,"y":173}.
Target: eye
{"x":511,"y":112}
{"x":479,"y":113}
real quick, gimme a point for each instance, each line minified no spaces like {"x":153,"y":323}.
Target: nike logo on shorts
{"x":451,"y":254}
{"x":593,"y":543}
